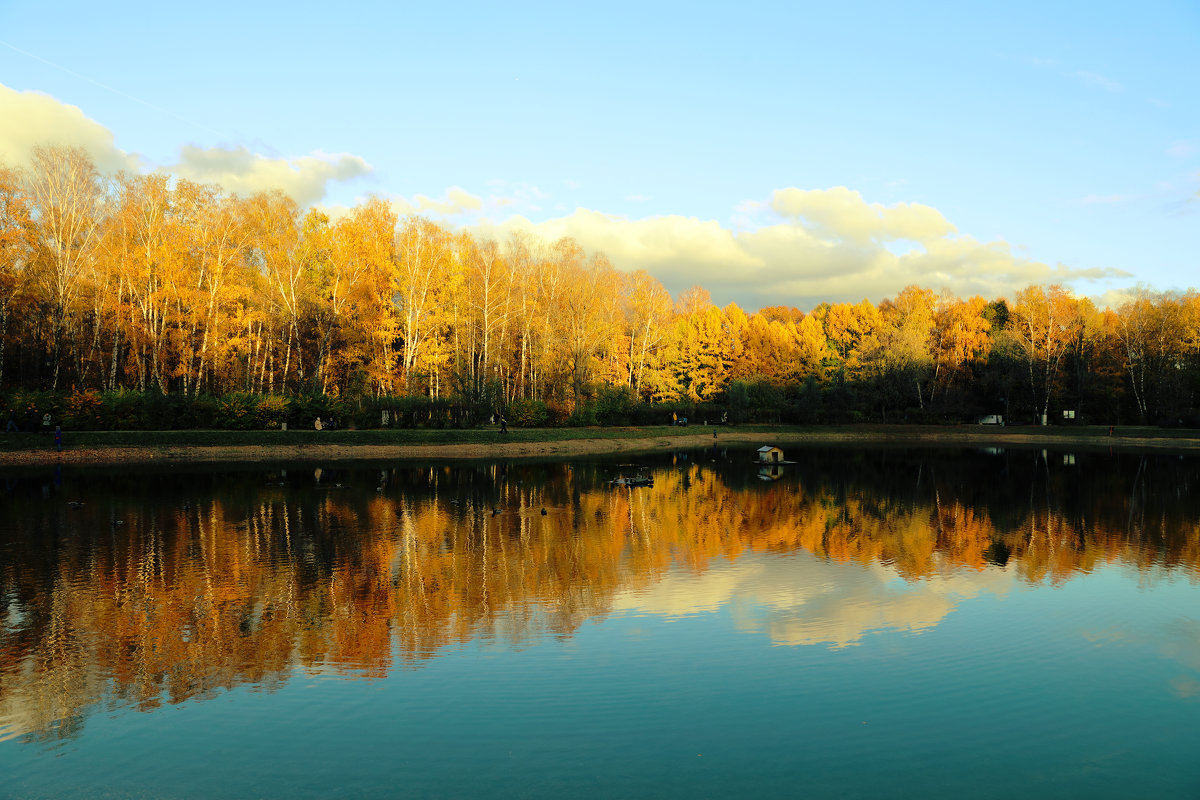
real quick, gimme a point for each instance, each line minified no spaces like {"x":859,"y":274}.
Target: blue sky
{"x":757,"y":149}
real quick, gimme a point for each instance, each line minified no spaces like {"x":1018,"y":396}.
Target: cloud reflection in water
{"x":800,"y":599}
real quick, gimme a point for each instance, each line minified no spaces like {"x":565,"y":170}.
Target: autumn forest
{"x":114,"y":286}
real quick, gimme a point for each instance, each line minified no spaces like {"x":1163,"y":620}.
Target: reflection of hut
{"x":770,"y":455}
{"x":770,"y":472}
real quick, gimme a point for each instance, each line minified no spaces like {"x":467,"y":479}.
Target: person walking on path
{"x":503,"y":425}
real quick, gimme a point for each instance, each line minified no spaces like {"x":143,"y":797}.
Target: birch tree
{"x":422,"y":266}
{"x":647,"y":311}
{"x":67,"y":195}
{"x":279,"y":254}
{"x":15,"y":243}
{"x":589,"y":316}
{"x":220,"y":238}
{"x":358,"y":247}
{"x":1043,"y":323}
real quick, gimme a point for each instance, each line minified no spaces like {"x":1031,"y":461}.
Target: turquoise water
{"x":878,"y":624}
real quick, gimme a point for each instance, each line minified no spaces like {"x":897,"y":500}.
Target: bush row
{"x":129,"y":410}
{"x":744,"y":402}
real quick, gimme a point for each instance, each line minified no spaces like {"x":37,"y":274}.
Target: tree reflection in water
{"x":144,"y":589}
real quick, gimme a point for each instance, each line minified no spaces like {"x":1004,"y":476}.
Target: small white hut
{"x":770,"y":455}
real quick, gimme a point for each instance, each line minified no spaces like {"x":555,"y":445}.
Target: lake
{"x":859,"y":623}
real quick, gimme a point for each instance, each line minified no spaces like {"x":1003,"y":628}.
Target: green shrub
{"x":28,"y":408}
{"x":238,"y":411}
{"x":650,"y":414}
{"x":614,"y":405}
{"x":581,"y":417}
{"x":367,"y":412}
{"x":164,"y":412}
{"x":410,"y":412}
{"x":123,"y":410}
{"x":528,"y":413}
{"x":272,"y":411}
{"x":805,"y":403}
{"x":305,"y":410}
{"x":670,"y":413}
{"x":201,"y":412}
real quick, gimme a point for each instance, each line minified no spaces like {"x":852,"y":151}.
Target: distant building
{"x":770,"y":455}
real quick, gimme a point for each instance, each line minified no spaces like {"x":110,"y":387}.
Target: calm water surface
{"x":856,"y":624}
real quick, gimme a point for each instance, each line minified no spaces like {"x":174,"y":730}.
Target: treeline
{"x":165,"y":288}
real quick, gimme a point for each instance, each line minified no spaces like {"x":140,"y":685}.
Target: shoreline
{"x":650,"y":442}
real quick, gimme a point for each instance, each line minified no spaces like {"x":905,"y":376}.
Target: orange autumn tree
{"x":590,"y":319}
{"x":15,"y":243}
{"x":417,"y":286}
{"x":349,"y":255}
{"x":647,"y":310}
{"x":282,"y":257}
{"x":67,"y":196}
{"x":1043,"y":324}
{"x":960,"y":337}
{"x":154,"y":283}
{"x":219,"y":238}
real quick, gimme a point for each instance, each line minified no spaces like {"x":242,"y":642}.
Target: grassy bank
{"x":215,"y":446}
{"x":16,"y":442}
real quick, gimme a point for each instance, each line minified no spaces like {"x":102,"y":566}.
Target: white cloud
{"x":456,"y":201}
{"x":28,"y":119}
{"x":823,"y":245}
{"x":841,"y":213}
{"x":1103,"y":199}
{"x":799,"y":247}
{"x":1114,"y":298}
{"x":32,"y":118}
{"x":238,"y":169}
{"x":674,"y":248}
